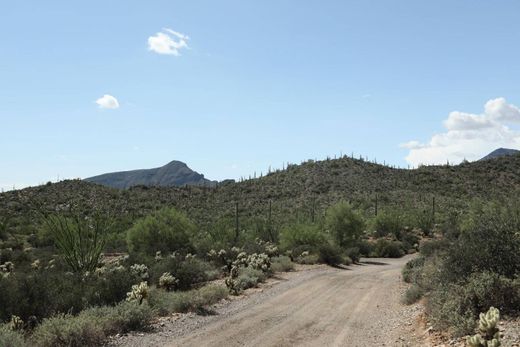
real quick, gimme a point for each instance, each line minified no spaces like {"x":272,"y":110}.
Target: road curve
{"x":358,"y":306}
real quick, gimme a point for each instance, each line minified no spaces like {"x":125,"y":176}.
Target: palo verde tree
{"x":79,"y":239}
{"x":344,"y":224}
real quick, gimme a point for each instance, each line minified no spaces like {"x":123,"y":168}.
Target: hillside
{"x":500,"y":152}
{"x":299,"y":192}
{"x":175,"y":173}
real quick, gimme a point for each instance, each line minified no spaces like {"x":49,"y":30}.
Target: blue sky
{"x":254,"y":84}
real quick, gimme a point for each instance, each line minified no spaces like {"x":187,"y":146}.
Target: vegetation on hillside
{"x":63,"y":263}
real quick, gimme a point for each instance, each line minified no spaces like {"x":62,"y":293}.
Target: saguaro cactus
{"x":488,"y":334}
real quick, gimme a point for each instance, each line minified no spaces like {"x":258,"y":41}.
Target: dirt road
{"x":358,"y":306}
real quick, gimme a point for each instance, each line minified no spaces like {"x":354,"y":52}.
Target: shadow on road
{"x":370,"y":262}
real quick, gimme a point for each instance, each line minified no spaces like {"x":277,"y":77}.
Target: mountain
{"x":501,"y":152}
{"x":297,"y":193}
{"x":175,"y":173}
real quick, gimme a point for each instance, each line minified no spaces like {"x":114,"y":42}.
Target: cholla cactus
{"x":269,"y":248}
{"x":6,"y":269}
{"x":190,"y":256}
{"x":259,"y":262}
{"x":140,"y":270}
{"x":212,"y":254}
{"x":168,"y":281}
{"x":35,"y":265}
{"x":138,"y":293}
{"x":231,"y":281}
{"x":241,"y":259}
{"x":158,"y":256}
{"x":16,"y":323}
{"x":488,"y":333}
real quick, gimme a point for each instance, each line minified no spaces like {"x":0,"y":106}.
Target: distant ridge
{"x":501,"y":152}
{"x":175,"y":173}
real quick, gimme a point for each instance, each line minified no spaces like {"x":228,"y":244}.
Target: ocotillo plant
{"x":488,"y":334}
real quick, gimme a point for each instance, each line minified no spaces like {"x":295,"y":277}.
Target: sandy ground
{"x":323,"y":306}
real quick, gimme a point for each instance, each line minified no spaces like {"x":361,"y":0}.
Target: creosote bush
{"x":165,"y":303}
{"x":92,"y":326}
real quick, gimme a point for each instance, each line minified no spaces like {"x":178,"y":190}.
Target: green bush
{"x":307,"y":259}
{"x":353,"y":253}
{"x":430,"y":247}
{"x":490,"y":243}
{"x":67,"y":330}
{"x":388,"y":222}
{"x":458,"y":305}
{"x":170,"y":302}
{"x":330,"y":254}
{"x":281,"y":264}
{"x":412,"y":295}
{"x":366,"y":248}
{"x":92,"y":326}
{"x":189,"y":271}
{"x":344,"y":224}
{"x":249,"y":278}
{"x":388,"y":249}
{"x":166,"y":230}
{"x":302,"y":236}
{"x":413,"y":269}
{"x":10,"y":338}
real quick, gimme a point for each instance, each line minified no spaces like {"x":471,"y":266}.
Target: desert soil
{"x":315,"y":306}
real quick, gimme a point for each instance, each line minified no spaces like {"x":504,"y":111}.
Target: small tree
{"x":345,"y":225}
{"x":79,"y":239}
{"x":166,"y":230}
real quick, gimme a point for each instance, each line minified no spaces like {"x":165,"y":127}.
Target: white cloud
{"x":107,"y":101}
{"x":168,"y":42}
{"x":469,"y":136}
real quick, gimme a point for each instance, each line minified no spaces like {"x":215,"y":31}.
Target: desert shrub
{"x":67,"y":330}
{"x":303,"y":236}
{"x":169,"y":302}
{"x":366,"y":248}
{"x":353,"y":253}
{"x":40,"y":293}
{"x":388,"y":249}
{"x":347,"y":261}
{"x":413,"y":269}
{"x":458,"y":305}
{"x":10,"y":338}
{"x":409,"y":239}
{"x":127,"y":316}
{"x":249,"y":278}
{"x":490,"y":243}
{"x":413,"y":294}
{"x":166,"y":230}
{"x":191,"y":272}
{"x":344,"y":224}
{"x":281,"y":264}
{"x":92,"y":326}
{"x":307,"y":258}
{"x":388,"y":222}
{"x":430,"y":247}
{"x":330,"y":254}
{"x":188,"y":272}
{"x":109,"y":285}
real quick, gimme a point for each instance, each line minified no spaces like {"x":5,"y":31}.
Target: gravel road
{"x":323,"y":306}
